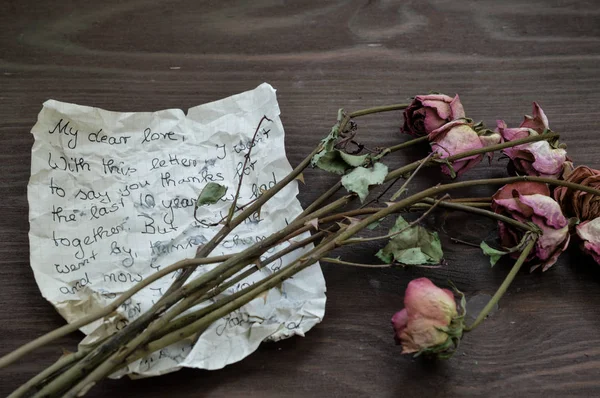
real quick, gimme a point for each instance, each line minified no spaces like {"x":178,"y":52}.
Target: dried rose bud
{"x":585,"y":206}
{"x":531,"y":202}
{"x":537,"y":158}
{"x":429,"y":322}
{"x":457,"y":137}
{"x":429,"y":112}
{"x":589,"y":232}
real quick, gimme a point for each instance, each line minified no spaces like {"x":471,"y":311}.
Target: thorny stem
{"x":377,"y":109}
{"x":310,"y":258}
{"x":198,"y":288}
{"x":412,"y":175}
{"x":482,"y":212}
{"x":105,"y":311}
{"x":338,"y":261}
{"x":503,"y":287}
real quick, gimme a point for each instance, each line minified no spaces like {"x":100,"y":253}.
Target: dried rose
{"x":537,"y":158}
{"x":585,"y":206}
{"x":531,"y":202}
{"x":457,"y":137}
{"x":589,"y":232}
{"x":429,"y":112}
{"x":429,"y":322}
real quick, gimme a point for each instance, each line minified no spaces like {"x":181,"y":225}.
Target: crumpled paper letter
{"x":112,"y":198}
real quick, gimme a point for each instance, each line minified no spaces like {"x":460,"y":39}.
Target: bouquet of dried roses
{"x":543,"y":201}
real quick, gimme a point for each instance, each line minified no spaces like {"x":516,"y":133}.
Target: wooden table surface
{"x":146,"y":55}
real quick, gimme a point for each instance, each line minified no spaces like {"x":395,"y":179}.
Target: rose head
{"x":428,"y":112}
{"x":585,"y":206}
{"x":537,"y":158}
{"x":589,"y":232}
{"x":429,"y":321}
{"x":457,"y":137}
{"x":531,"y":202}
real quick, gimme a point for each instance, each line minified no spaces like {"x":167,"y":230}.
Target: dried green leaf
{"x":332,"y":162}
{"x":494,"y":254}
{"x":354,"y":160}
{"x":359,"y":179}
{"x":211,"y":193}
{"x":415,"y":245}
{"x":328,"y":142}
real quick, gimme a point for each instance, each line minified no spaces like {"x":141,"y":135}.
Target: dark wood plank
{"x":500,"y":56}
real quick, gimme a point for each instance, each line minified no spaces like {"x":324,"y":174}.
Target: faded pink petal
{"x":421,"y":333}
{"x":538,"y":158}
{"x":432,"y":120}
{"x":589,"y":232}
{"x":427,"y":310}
{"x":458,"y":112}
{"x":511,"y":134}
{"x":548,"y":161}
{"x":537,"y":122}
{"x":546,"y":207}
{"x":429,"y":112}
{"x":399,"y":322}
{"x":522,"y":188}
{"x":490,"y":139}
{"x":423,"y":297}
{"x":551,"y":260}
{"x":530,"y":202}
{"x":455,"y":138}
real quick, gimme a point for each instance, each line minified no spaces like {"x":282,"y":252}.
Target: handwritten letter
{"x":112,"y":199}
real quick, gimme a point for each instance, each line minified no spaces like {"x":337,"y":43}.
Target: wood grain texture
{"x":500,"y":56}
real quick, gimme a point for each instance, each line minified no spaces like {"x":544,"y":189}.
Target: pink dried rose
{"x":457,"y":137}
{"x":429,"y":322}
{"x":429,"y":112}
{"x":539,"y":158}
{"x":589,"y":232}
{"x":531,"y":202}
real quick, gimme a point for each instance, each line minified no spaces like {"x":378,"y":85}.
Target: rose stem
{"x":502,"y":289}
{"x":310,"y":258}
{"x":420,"y":206}
{"x":391,"y":235}
{"x":192,"y":291}
{"x":498,"y":147}
{"x":62,"y":363}
{"x":485,"y":200}
{"x":395,"y":174}
{"x":71,"y":327}
{"x":179,"y":322}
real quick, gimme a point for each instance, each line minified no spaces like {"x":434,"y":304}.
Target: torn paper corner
{"x":112,"y":199}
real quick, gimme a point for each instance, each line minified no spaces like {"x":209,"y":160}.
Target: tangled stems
{"x":147,"y":333}
{"x":246,"y":295}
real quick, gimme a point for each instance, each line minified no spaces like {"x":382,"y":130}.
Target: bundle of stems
{"x":331,"y":224}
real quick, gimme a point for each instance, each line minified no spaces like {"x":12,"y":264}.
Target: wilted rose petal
{"x":429,"y":112}
{"x":530,"y":202}
{"x":537,"y":122}
{"x":589,"y":232}
{"x":536,"y":158}
{"x":428,"y":311}
{"x":457,"y":137}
